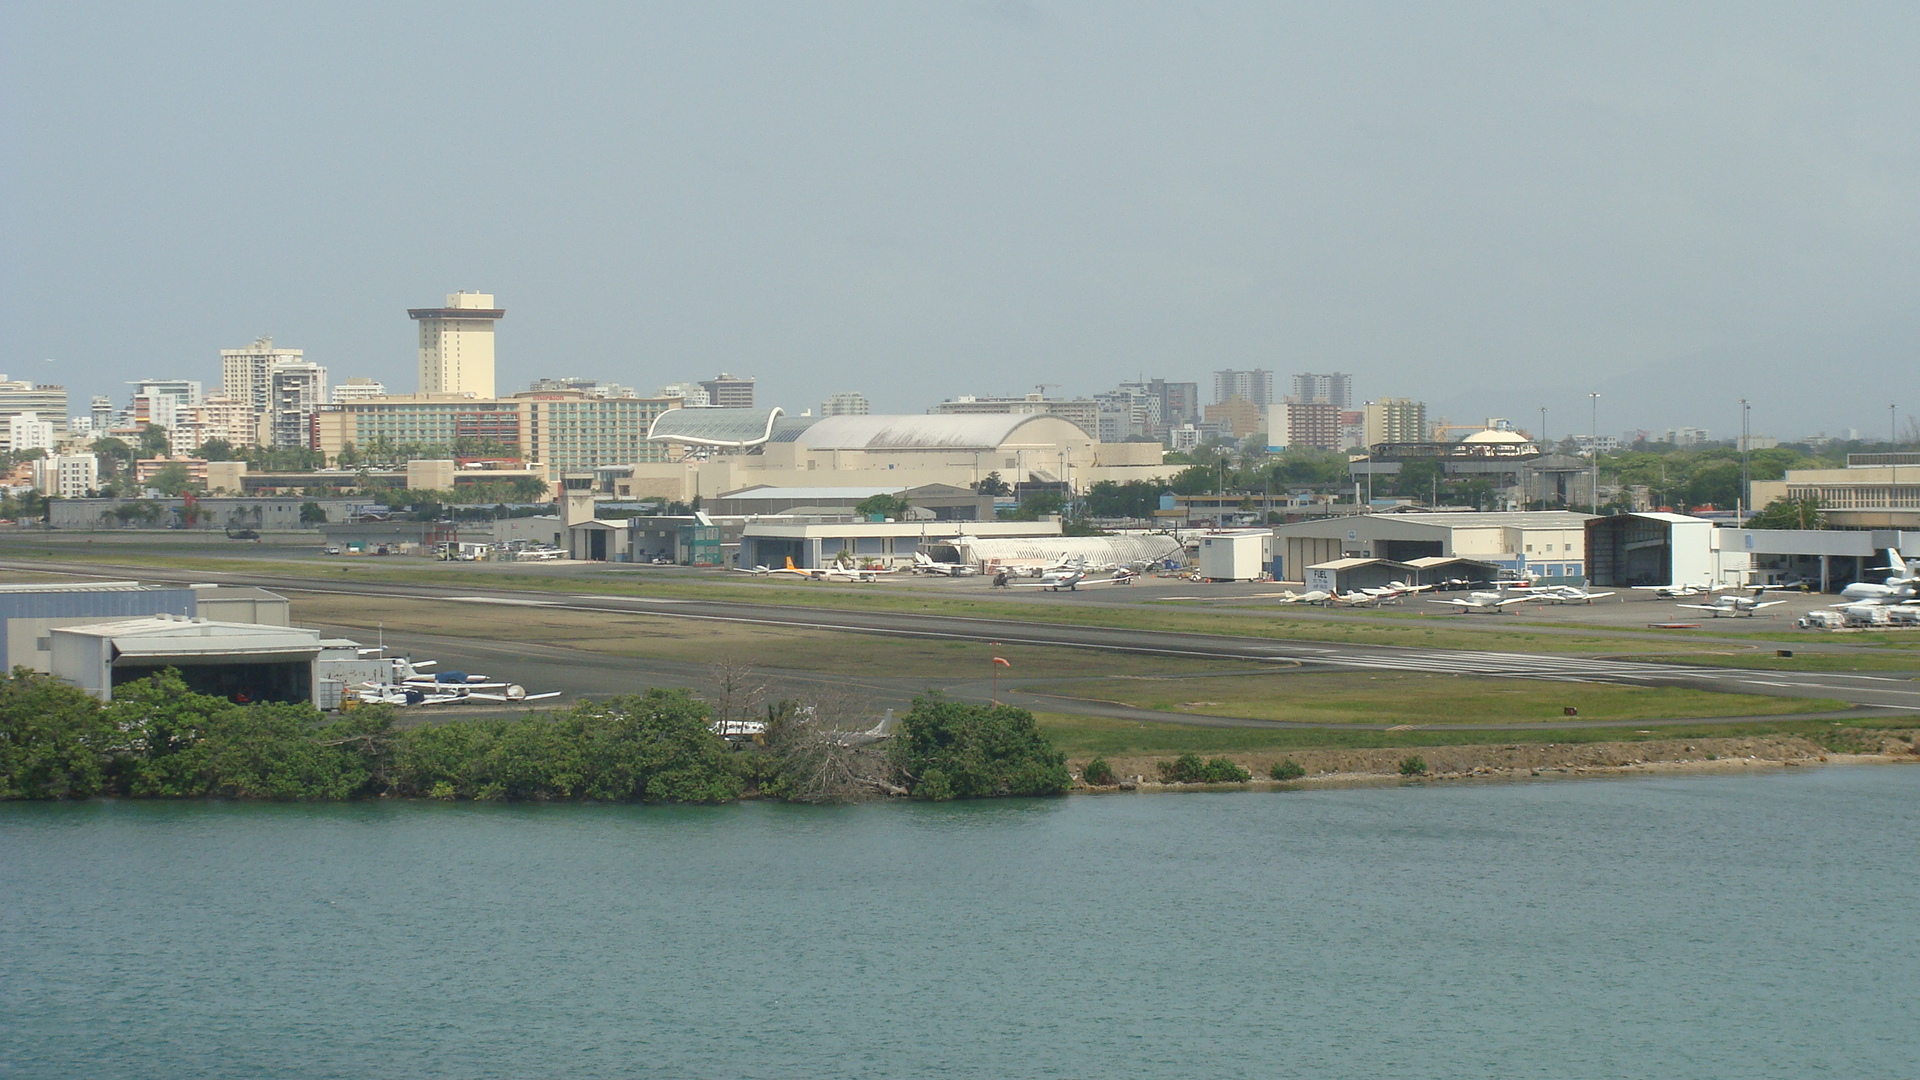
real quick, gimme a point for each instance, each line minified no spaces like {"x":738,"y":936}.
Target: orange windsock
{"x":1002,"y":661}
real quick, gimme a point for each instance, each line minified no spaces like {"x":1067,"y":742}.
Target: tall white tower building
{"x":456,"y":345}
{"x":247,"y":374}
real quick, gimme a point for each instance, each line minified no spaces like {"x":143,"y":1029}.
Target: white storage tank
{"x":1236,"y":556}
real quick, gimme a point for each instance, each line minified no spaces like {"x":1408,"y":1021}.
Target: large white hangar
{"x":1549,"y":545}
{"x":725,"y":450}
{"x":238,"y":661}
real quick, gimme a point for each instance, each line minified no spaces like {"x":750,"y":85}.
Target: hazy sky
{"x":1489,"y":206}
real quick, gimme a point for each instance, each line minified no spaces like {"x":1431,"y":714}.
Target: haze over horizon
{"x":1493,"y":208}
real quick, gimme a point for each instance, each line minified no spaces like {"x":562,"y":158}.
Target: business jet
{"x":1898,"y":589}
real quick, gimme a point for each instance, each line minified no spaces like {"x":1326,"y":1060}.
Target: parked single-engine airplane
{"x":1072,"y":576}
{"x":1566,"y":594}
{"x":1735,"y":606}
{"x":926,"y":564}
{"x":1494,"y":602}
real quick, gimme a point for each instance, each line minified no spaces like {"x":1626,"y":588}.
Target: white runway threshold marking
{"x":507,"y":600}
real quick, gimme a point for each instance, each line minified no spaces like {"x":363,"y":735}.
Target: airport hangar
{"x":723,"y":451}
{"x":1549,"y":545}
{"x":1675,"y":549}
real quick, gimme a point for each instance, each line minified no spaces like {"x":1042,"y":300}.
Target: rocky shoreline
{"x":1521,"y":761}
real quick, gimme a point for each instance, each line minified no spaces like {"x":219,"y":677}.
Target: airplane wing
{"x":1512,"y":600}
{"x":1767,"y":603}
{"x":1596,"y":595}
{"x":1713,"y":607}
{"x":1454,"y":603}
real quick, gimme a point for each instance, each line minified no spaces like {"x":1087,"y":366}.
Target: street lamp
{"x":1746,"y":450}
{"x":1593,"y":447}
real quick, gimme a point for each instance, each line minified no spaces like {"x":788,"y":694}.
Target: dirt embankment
{"x":1514,"y":760}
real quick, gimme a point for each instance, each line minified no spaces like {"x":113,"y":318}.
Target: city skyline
{"x":1494,"y":213}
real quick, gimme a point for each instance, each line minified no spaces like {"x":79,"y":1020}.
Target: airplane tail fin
{"x":790,"y":565}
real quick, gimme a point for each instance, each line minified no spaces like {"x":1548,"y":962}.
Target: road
{"x":1893,"y":693}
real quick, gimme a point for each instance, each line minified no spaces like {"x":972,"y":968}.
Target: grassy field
{"x":1084,"y":736}
{"x":695,"y":641}
{"x":1406,"y":698}
{"x":1272,"y":624}
{"x":1865,"y":652}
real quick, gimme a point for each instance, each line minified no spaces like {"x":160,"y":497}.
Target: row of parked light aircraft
{"x":1393,"y":592}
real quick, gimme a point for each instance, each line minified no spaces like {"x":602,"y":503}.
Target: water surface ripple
{"x":1745,"y":926}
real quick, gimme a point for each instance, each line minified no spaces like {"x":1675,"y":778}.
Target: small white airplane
{"x":837,"y":571}
{"x":1494,"y":602}
{"x":926,"y":564}
{"x":1898,"y":589}
{"x":1566,"y":594}
{"x":1072,"y":577}
{"x":1311,"y":596}
{"x":1680,"y":592}
{"x":1734,"y":606}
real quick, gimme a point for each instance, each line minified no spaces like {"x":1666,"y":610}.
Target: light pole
{"x":1746,"y":449}
{"x":1593,"y":447}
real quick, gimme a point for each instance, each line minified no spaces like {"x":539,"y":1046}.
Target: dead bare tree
{"x":825,"y":748}
{"x":735,"y":691}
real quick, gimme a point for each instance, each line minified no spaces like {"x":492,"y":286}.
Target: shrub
{"x":1189,"y":769}
{"x":1288,"y":769}
{"x":1413,"y":766}
{"x":1098,"y":772}
{"x":1185,"y":769}
{"x":949,"y":750}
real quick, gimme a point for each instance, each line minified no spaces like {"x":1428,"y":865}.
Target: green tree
{"x":114,"y":455}
{"x":883,"y":504}
{"x":154,"y":441}
{"x":54,"y":742}
{"x":993,"y":485}
{"x":949,"y":750}
{"x":1785,"y":513}
{"x":215,"y":450}
{"x":652,"y":747}
{"x":172,"y":479}
{"x":312,"y":513}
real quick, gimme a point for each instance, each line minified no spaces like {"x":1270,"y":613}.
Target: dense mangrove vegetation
{"x":157,"y":739}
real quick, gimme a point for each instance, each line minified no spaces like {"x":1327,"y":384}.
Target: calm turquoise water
{"x":1759,"y":926}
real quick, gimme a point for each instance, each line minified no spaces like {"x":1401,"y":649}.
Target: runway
{"x":1893,"y":693}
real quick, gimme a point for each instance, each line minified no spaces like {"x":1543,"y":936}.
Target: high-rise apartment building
{"x":26,"y":431}
{"x":182,"y":391}
{"x":298,"y":392}
{"x":1335,"y":388}
{"x":101,"y":409}
{"x":358,"y":388}
{"x":1082,"y":411}
{"x":590,"y":387}
{"x":1173,"y":403}
{"x":691,"y":395}
{"x":456,"y":345}
{"x":247,"y":374}
{"x":1314,"y":424}
{"x":218,"y":416}
{"x":1255,"y":386}
{"x":20,"y":396}
{"x":67,"y":476}
{"x":849,"y":403}
{"x":1395,"y":420}
{"x":728,"y":392}
{"x":559,"y":429}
